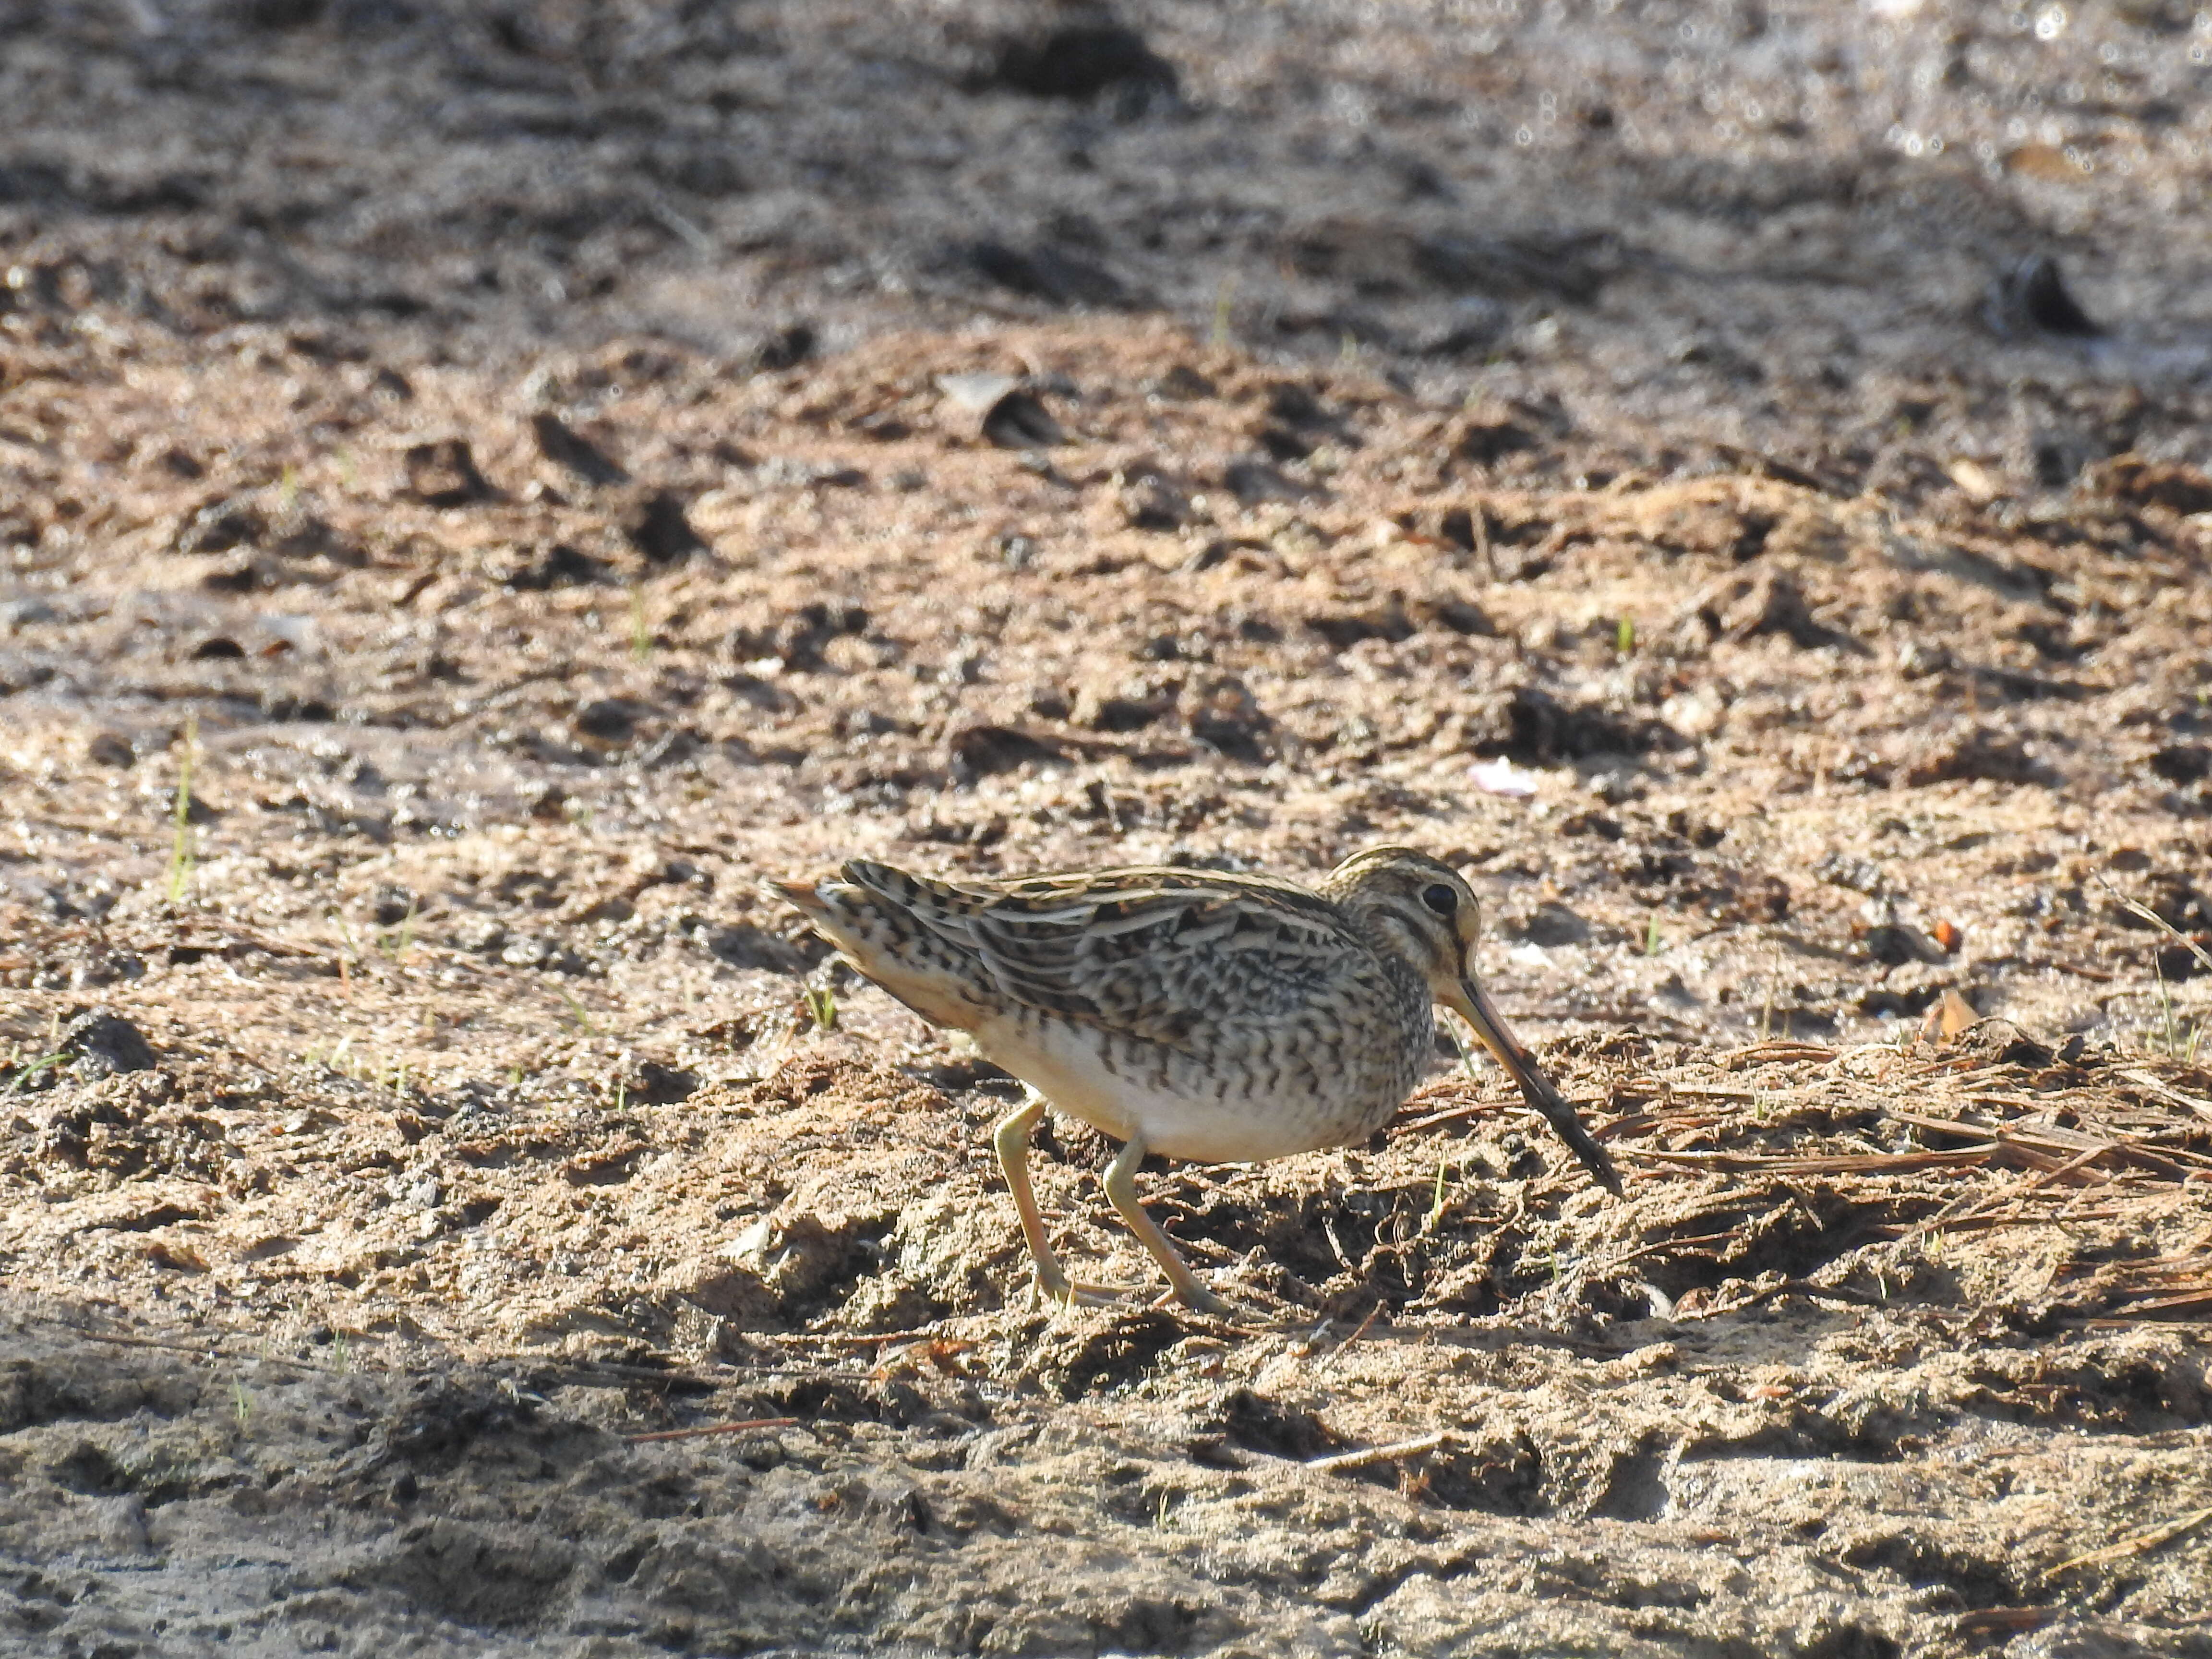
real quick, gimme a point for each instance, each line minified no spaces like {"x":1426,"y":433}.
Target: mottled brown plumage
{"x":1220,"y":1017}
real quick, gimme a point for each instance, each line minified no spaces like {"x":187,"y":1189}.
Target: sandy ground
{"x":481,"y":487}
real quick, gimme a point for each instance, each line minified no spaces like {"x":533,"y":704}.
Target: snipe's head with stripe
{"x":1425,"y":911}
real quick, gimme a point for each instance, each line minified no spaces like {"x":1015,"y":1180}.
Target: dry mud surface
{"x":479,"y":486}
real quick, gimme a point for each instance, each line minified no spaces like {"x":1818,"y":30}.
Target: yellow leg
{"x":1122,"y":1192}
{"x":1012,"y":1137}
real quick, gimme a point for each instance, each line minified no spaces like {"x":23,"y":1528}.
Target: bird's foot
{"x":1057,"y":1286}
{"x":1199,"y":1300}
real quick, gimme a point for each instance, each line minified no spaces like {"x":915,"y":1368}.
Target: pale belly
{"x":1231,"y":1115}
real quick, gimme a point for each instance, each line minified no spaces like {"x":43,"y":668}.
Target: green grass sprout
{"x":182,"y":851}
{"x":395,"y":943}
{"x":576,"y":1012}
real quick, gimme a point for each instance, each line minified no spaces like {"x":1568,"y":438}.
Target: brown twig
{"x":1365,"y":1324}
{"x":2102,"y":976}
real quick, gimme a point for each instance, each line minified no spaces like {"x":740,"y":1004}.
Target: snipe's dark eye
{"x":1440,"y":898}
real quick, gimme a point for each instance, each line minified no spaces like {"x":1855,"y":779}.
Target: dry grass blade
{"x":2138,"y":909}
{"x":2166,"y":1092}
{"x":1859,"y":1164}
{"x":1660,"y":1246}
{"x":1977,"y":1221}
{"x":1774,"y":1292}
{"x":750,"y":1423}
{"x":1780,"y":1049}
{"x":2139,"y":1544}
{"x":2042,"y":1143}
{"x":2005,"y":1621}
{"x":1637,"y":1123}
{"x":1456,"y":1114}
{"x":2005,"y":1206}
{"x":2187,"y":1303}
{"x":1342,"y":1461}
{"x":2029,"y":1147}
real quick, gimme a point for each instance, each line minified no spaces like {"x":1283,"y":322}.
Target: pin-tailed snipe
{"x":1227,"y":1018}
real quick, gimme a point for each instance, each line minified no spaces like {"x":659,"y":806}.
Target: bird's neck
{"x":1409,"y":987}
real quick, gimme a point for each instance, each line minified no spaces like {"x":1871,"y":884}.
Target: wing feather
{"x":1146,"y":954}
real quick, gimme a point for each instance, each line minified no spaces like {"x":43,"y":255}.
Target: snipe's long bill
{"x":1226,"y":1018}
